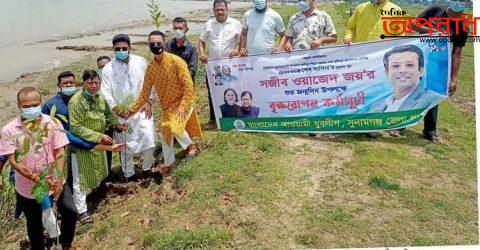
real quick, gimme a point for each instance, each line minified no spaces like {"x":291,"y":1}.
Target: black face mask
{"x":156,"y":48}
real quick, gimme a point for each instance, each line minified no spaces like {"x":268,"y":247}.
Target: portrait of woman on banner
{"x":230,"y":108}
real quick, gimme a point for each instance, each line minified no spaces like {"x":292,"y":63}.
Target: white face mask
{"x":178,"y":34}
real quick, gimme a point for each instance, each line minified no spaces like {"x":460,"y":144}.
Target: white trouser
{"x":127,"y":165}
{"x":49,"y":222}
{"x":79,"y":197}
{"x":169,"y":150}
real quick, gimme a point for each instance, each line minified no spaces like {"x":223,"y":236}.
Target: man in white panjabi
{"x":122,"y":81}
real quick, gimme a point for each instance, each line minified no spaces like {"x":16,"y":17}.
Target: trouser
{"x":430,"y":122}
{"x":210,"y":103}
{"x":33,"y":214}
{"x":169,"y":150}
{"x":127,"y":164}
{"x":79,"y":196}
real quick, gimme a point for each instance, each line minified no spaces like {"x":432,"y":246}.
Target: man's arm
{"x":282,"y":38}
{"x":243,"y":42}
{"x":22,"y":169}
{"x":456,"y":58}
{"x":330,"y":32}
{"x":351,"y":27}
{"x":57,"y":185}
{"x":420,"y":29}
{"x":323,"y":40}
{"x":201,"y":51}
{"x":78,"y":141}
{"x":144,"y":94}
{"x":192,"y":62}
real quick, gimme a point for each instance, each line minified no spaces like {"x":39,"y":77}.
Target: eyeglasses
{"x":120,"y":48}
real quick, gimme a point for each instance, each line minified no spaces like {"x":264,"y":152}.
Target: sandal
{"x":85,"y":218}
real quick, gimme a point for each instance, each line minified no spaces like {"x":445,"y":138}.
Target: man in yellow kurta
{"x":170,"y":76}
{"x":366,"y":23}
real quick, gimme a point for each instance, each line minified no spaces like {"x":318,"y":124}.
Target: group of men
{"x":113,"y":111}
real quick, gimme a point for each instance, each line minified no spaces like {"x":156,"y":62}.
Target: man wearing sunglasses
{"x":170,"y":77}
{"x":122,"y":80}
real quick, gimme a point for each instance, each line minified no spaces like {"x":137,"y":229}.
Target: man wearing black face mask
{"x":259,"y":26}
{"x":170,"y":76}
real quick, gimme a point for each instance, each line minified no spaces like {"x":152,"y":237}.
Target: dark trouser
{"x":33,"y":214}
{"x":430,"y":122}
{"x":210,"y":103}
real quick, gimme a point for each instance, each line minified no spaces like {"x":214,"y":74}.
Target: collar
{"x":228,"y":20}
{"x":314,"y":12}
{"x":380,"y":5}
{"x":392,"y":98}
{"x":174,"y":43}
{"x":59,"y":96}
{"x":19,"y":123}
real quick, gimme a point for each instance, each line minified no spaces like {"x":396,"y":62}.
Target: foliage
{"x":155,"y":13}
{"x":33,"y":139}
{"x":124,"y":105}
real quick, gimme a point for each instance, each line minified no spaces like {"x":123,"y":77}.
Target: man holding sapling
{"x":170,"y":77}
{"x":122,"y":80}
{"x":89,"y":116}
{"x":58,"y":107}
{"x":39,"y":167}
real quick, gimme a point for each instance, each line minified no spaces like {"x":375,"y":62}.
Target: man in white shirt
{"x":122,"y":81}
{"x":404,"y":67}
{"x":222,"y":36}
{"x":259,"y":26}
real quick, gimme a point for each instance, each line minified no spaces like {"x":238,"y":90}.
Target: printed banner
{"x":359,"y":88}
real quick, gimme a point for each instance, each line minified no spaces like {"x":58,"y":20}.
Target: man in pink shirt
{"x":28,"y":169}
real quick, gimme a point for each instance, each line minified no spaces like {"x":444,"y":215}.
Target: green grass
{"x":188,"y":239}
{"x":253,"y":190}
{"x":382,"y":183}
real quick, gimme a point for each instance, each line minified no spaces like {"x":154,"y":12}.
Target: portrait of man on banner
{"x":405,"y":68}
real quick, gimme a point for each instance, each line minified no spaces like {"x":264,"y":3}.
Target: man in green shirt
{"x":89,"y":116}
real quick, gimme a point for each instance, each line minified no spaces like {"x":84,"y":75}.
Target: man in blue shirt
{"x":66,"y":83}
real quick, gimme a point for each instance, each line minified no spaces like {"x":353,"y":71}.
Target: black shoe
{"x":50,"y":242}
{"x":132,"y":178}
{"x":85,"y":218}
{"x":372,"y":135}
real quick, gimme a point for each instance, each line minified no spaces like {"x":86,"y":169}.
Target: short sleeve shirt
{"x":459,"y":39}
{"x":305,"y":29}
{"x":262,"y":28}
{"x":221,"y":38}
{"x":35,"y":162}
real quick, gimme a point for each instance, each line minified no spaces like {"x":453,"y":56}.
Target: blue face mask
{"x":68,"y":91}
{"x":32,"y":112}
{"x":260,"y":4}
{"x":121,"y":55}
{"x":303,"y":5}
{"x":457,"y":6}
